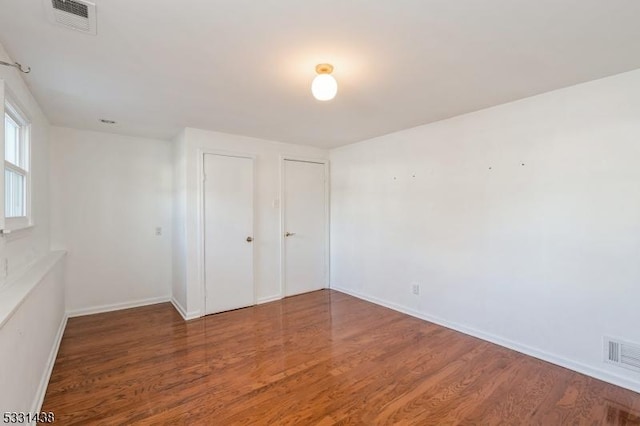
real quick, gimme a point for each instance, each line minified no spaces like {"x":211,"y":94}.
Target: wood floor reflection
{"x":320,"y":358}
{"x":620,"y":415}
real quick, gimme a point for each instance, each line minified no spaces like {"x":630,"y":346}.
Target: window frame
{"x":12,"y":108}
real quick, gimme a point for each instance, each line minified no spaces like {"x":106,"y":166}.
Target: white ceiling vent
{"x":622,"y":353}
{"x":76,"y":14}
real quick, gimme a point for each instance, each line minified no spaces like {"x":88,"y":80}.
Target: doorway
{"x":228,"y":232}
{"x":305,"y":226}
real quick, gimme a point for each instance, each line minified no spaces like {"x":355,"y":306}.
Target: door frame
{"x":202,"y":278}
{"x":327,"y":187}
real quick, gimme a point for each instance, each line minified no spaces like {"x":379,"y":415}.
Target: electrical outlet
{"x":158,"y":231}
{"x":415,"y":288}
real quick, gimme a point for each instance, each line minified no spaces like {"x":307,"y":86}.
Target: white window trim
{"x":11,"y":106}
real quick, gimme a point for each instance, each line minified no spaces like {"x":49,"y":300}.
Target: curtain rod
{"x":26,"y":70}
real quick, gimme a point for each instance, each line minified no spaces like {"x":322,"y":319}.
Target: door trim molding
{"x":327,"y":265}
{"x":200,"y":211}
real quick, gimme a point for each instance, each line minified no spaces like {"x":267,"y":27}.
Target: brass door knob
{"x":289,"y":234}
{"x":249,"y":239}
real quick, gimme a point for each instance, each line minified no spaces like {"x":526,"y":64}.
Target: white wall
{"x":179,"y":243}
{"x":267,"y":230}
{"x":32,"y":301}
{"x":30,"y":336}
{"x":543,"y":257}
{"x":109,"y":193}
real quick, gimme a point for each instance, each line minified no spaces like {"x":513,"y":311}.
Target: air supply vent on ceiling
{"x":77,"y":14}
{"x":622,"y":353}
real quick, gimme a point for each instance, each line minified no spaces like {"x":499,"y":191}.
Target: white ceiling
{"x":245,"y":66}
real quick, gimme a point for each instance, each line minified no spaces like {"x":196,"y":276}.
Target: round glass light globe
{"x":324,"y":87}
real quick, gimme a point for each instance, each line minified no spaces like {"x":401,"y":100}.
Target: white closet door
{"x":305,"y":221}
{"x":228,"y":232}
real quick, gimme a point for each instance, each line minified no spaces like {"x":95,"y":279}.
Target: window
{"x":17,"y":178}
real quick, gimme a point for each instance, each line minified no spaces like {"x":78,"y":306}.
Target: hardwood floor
{"x":320,"y":358}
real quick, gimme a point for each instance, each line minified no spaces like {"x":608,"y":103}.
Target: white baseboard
{"x":269,"y":299}
{"x":117,"y":306}
{"x":603,"y":375}
{"x":187,"y":316}
{"x":178,"y":307}
{"x":46,"y":375}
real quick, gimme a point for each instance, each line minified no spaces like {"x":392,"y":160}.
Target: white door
{"x":305,"y":227}
{"x":228,"y":232}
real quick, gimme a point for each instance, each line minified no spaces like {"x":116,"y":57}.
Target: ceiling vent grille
{"x":72,"y":7}
{"x":76,"y":14}
{"x":622,"y":353}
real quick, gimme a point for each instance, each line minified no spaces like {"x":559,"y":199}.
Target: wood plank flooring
{"x":321,"y":358}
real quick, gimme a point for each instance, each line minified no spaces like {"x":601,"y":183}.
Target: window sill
{"x":14,"y":234}
{"x":18,"y":287}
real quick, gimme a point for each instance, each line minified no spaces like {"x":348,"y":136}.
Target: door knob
{"x":289,"y":234}
{"x":249,"y":239}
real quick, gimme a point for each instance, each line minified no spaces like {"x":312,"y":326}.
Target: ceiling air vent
{"x":621,"y":353}
{"x":77,"y":14}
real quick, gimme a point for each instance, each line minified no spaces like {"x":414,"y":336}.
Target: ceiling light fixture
{"x":324,"y":86}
